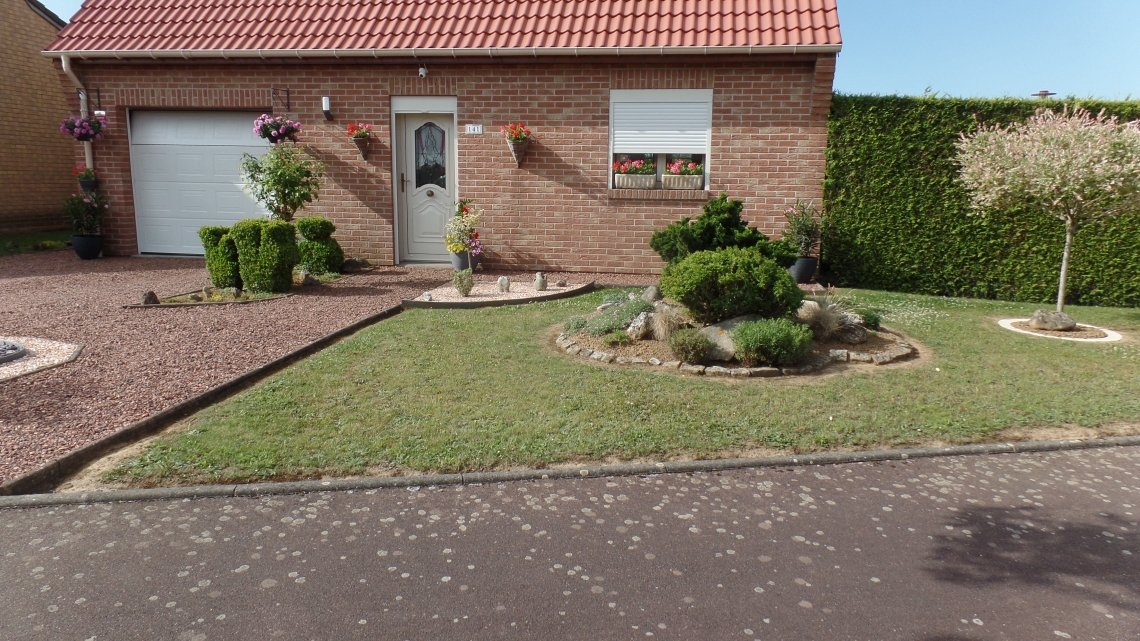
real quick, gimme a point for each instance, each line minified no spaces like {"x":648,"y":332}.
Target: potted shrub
{"x":84,"y":129}
{"x":361,"y":135}
{"x":802,"y":232}
{"x":518,"y":139}
{"x":462,"y":239}
{"x":87,"y":179}
{"x":276,"y":129}
{"x":683,"y":174}
{"x":86,"y":212}
{"x":634,"y":174}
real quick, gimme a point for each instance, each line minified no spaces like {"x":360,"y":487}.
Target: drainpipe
{"x":88,"y":152}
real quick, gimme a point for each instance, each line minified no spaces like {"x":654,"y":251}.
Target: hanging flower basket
{"x":276,"y":129}
{"x":518,"y":139}
{"x":84,"y":129}
{"x":361,"y":135}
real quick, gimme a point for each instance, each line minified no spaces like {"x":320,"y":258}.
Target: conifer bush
{"x":730,"y":282}
{"x":719,"y":226}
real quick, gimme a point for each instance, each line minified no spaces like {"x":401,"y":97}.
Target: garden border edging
{"x":66,"y":465}
{"x":630,"y":469}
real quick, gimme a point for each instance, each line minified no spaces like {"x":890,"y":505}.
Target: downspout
{"x":88,"y":152}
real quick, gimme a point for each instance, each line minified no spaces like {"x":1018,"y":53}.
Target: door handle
{"x":403,"y":182}
{"x":430,"y":193}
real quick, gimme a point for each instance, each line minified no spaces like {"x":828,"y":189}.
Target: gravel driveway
{"x":136,"y":362}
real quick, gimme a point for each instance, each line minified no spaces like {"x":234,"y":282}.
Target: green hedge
{"x":221,"y":256}
{"x":320,"y":253}
{"x":267,"y":253}
{"x":896,"y":214}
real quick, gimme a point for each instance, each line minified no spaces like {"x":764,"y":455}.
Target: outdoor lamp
{"x":326,"y":106}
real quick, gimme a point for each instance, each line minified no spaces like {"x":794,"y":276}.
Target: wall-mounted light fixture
{"x":423,"y":71}
{"x":326,"y":107}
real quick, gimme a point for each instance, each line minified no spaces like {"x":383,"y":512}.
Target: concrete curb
{"x":587,"y":471}
{"x":43,"y":477}
{"x":430,"y":304}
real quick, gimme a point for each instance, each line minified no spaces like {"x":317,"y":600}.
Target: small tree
{"x":1076,"y":167}
{"x":284,"y":180}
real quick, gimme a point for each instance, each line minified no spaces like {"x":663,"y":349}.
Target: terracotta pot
{"x":518,"y":148}
{"x":362,"y":144}
{"x":635,"y":181}
{"x":671,"y":181}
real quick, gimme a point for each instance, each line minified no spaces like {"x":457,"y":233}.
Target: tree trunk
{"x":1070,"y":231}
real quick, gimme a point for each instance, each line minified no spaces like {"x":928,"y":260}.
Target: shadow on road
{"x":1029,"y":547}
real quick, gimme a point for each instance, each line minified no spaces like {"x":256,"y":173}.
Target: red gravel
{"x":136,"y":362}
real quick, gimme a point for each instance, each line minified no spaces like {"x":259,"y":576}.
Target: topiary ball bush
{"x":221,"y":256}
{"x":775,"y":341}
{"x":730,"y":282}
{"x":267,"y":253}
{"x":320,"y":253}
{"x":689,"y":345}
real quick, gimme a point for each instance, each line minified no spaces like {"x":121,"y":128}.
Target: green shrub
{"x":896,"y":211}
{"x":315,"y":227}
{"x":320,"y":253}
{"x":716,"y":285}
{"x":221,"y":257}
{"x":45,"y":245}
{"x":775,"y":341}
{"x":463,"y":281}
{"x":871,"y":318}
{"x":616,"y":339}
{"x":574,"y":325}
{"x":284,"y":180}
{"x":617,"y":317}
{"x":267,"y":253}
{"x":718,"y":226}
{"x":689,"y":345}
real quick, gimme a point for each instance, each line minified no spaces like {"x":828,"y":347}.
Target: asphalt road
{"x":1027,"y":546}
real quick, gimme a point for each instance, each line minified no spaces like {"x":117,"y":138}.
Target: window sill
{"x":659,"y":194}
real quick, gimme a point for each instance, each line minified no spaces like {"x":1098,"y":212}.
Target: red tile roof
{"x":447,"y":27}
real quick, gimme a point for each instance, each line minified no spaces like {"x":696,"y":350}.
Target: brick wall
{"x":35,"y":158}
{"x":556,"y":211}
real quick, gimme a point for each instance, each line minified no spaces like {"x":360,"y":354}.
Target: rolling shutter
{"x":647,"y":122}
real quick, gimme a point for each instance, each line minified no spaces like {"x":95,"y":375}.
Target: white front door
{"x":184,"y":165}
{"x":426,"y":185}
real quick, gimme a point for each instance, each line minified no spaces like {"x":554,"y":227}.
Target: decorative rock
{"x":353,"y":265}
{"x":504,"y":284}
{"x":149,"y":298}
{"x":196,"y":297}
{"x":209,"y":291}
{"x":852,"y":334}
{"x":427,"y":296}
{"x":540,"y":282}
{"x":882,"y":358}
{"x":608,"y":358}
{"x":573,"y":349}
{"x":717,"y":370}
{"x":637,"y":360}
{"x":562,"y":340}
{"x":724,"y":348}
{"x":839,"y":355}
{"x":632,"y":296}
{"x":740,"y":372}
{"x":764,"y":372}
{"x":651,"y":294}
{"x":585,"y":352}
{"x":622,"y":360}
{"x":849,"y":318}
{"x":859,"y":357}
{"x":1052,"y":321}
{"x":654,"y":361}
{"x":692,"y":369}
{"x":604,"y":306}
{"x":303,"y":277}
{"x":640,"y":326}
{"x":11,"y":351}
{"x":671,"y":364}
{"x":560,"y":283}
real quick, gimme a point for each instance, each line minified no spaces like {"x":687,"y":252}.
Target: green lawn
{"x":20,"y":243}
{"x":461,"y":390}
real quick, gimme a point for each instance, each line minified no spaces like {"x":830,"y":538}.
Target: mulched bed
{"x":136,"y":362}
{"x":1081,"y":331}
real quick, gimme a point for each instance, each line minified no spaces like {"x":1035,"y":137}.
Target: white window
{"x":659,"y":138}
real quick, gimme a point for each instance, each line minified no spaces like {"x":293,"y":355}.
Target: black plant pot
{"x":87,"y":247}
{"x":88,"y":184}
{"x":804,"y":269}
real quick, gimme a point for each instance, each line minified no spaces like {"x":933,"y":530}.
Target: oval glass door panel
{"x":431,"y":156}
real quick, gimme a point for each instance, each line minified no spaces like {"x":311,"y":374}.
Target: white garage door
{"x":185,"y":170}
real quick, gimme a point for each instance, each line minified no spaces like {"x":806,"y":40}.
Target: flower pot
{"x":518,"y":148}
{"x":671,"y":181}
{"x":88,"y":184}
{"x":635,"y":181}
{"x":459,"y":261}
{"x":87,"y":247}
{"x":804,"y":269}
{"x":362,"y":143}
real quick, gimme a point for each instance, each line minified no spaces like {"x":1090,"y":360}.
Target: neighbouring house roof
{"x":47,"y":14}
{"x":381,"y":28}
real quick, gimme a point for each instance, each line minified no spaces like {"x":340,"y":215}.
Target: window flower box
{"x":670,"y":181}
{"x":635,"y":181}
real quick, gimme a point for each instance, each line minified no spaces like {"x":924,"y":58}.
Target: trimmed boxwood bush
{"x":320,"y":253}
{"x":896,"y":212}
{"x":730,"y":282}
{"x":718,"y":226}
{"x":689,"y":345}
{"x":267,"y":253}
{"x":221,"y":256}
{"x":617,"y":317}
{"x":774,"y":341}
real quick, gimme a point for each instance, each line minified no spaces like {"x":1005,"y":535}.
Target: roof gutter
{"x":449,"y":52}
{"x":88,"y":151}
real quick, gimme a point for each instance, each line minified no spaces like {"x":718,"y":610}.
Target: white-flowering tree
{"x":1076,"y":167}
